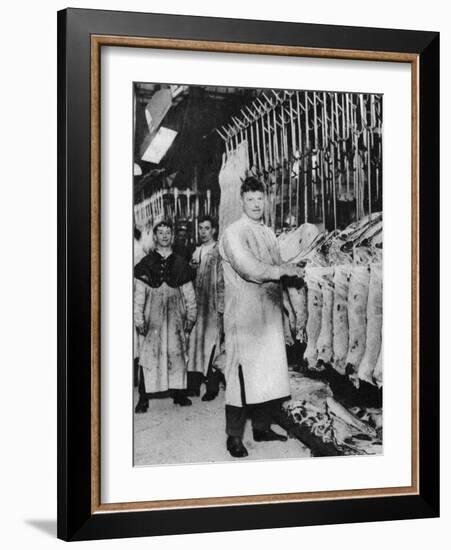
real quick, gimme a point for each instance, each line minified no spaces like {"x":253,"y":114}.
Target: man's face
{"x":206,"y":232}
{"x":253,"y":203}
{"x":163,"y":236}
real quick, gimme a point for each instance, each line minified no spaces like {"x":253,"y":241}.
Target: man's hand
{"x":292,"y":270}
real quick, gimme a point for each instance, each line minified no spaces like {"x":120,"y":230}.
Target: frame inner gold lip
{"x":97,"y":41}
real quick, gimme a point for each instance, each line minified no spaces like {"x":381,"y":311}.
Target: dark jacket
{"x":154,"y":270}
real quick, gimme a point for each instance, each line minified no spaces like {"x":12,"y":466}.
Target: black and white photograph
{"x":258,"y":273}
{"x":226,"y":254}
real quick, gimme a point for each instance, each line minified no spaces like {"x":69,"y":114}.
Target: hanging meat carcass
{"x":313,"y":279}
{"x":377,"y":374}
{"x":374,"y":326}
{"x":338,"y":311}
{"x":313,"y":307}
{"x":233,"y":172}
{"x":293,"y":245}
{"x":325,"y":339}
{"x":367,"y":252}
{"x":298,"y":298}
{"x":340,"y":317}
{"x":357,"y":305}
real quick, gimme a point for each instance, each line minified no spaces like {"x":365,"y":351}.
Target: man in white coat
{"x":256,"y":365}
{"x":206,"y":337}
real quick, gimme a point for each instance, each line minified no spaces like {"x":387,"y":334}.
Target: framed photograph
{"x":248,"y":274}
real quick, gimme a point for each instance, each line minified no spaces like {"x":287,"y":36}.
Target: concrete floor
{"x":170,"y":434}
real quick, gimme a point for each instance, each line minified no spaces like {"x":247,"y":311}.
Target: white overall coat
{"x":253,"y":323}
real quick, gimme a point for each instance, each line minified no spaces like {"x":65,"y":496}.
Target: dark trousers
{"x":135,"y":372}
{"x":261,"y":414}
{"x":194,"y":382}
{"x":214,"y":377}
{"x":212,"y":380}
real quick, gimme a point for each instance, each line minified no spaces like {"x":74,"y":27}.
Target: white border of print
{"x":120,"y":481}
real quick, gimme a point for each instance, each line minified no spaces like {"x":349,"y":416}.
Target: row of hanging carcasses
{"x":337,"y":311}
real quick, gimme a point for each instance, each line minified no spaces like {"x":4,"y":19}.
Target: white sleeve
{"x":139,"y":297}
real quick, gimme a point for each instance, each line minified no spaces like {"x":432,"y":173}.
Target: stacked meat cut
{"x":338,"y":308}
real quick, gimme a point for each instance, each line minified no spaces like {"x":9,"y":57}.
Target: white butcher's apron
{"x":205,"y":338}
{"x":253,"y":323}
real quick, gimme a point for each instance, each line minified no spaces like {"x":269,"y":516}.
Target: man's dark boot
{"x":235,"y":447}
{"x":267,"y":435}
{"x":209,"y":396}
{"x":180,"y":398}
{"x":194,"y":380}
{"x":212,"y":384}
{"x":143,"y":404}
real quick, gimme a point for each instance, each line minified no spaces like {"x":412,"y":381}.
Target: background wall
{"x":28,"y":270}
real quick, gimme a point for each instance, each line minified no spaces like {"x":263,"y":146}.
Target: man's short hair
{"x":163,"y":223}
{"x":208,"y":218}
{"x":251,"y":184}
